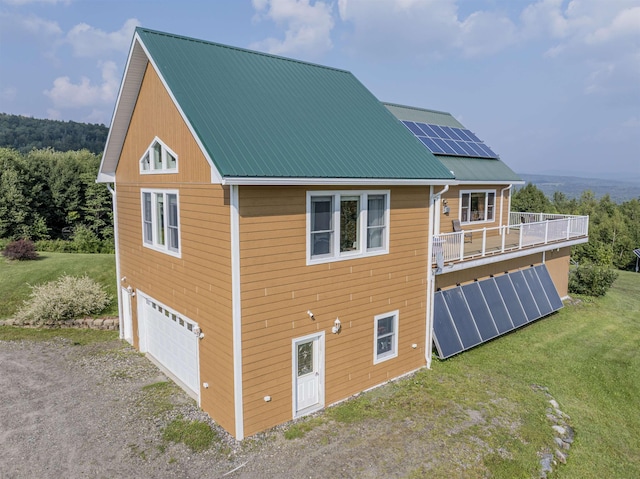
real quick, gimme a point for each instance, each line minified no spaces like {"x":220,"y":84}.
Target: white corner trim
{"x":234,"y":205}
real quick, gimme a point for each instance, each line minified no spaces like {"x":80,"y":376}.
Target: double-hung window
{"x":161,"y":221}
{"x":478,"y":205}
{"x":385,"y":337}
{"x":346,"y":224}
{"x":158,"y":158}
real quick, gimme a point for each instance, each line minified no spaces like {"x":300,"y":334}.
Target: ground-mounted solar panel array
{"x":448,"y":140}
{"x":469,"y":315}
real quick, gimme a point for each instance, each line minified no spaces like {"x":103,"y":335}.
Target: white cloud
{"x":65,"y":94}
{"x":32,"y":25}
{"x":88,"y":41}
{"x":307,"y":26}
{"x":9,"y":93}
{"x":423,"y":29}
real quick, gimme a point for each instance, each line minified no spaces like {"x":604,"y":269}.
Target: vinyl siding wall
{"x":277,"y":289}
{"x":453,"y":201}
{"x":198,"y":284}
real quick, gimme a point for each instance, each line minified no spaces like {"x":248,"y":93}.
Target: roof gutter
{"x":296,"y":181}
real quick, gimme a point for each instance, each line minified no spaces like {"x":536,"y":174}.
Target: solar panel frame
{"x":524,"y":294}
{"x":511,"y":300}
{"x":499,"y":312}
{"x":445,"y":335}
{"x":538,"y":292}
{"x":549,"y":287}
{"x":429,"y":143}
{"x":462,"y":318}
{"x":480,"y":311}
{"x":449,"y":140}
{"x":413,"y":128}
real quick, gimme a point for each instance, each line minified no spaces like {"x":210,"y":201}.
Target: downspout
{"x":434,"y":200}
{"x":234,"y":205}
{"x":502,"y":203}
{"x":114,"y":204}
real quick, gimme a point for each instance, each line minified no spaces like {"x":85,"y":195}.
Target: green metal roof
{"x":259,"y":115}
{"x":464,"y":168}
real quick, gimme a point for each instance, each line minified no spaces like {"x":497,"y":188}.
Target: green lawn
{"x":587,"y":355}
{"x":16,"y":276}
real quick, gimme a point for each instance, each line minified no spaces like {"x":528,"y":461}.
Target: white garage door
{"x":172,"y":340}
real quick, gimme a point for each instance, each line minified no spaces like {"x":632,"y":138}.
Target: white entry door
{"x":127,"y":322}
{"x":308,"y":374}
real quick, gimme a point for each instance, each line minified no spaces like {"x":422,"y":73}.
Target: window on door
{"x":477,"y":206}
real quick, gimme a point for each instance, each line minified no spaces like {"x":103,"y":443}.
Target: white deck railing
{"x":524,"y":230}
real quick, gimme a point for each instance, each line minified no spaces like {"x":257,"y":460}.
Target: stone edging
{"x":563,"y":435}
{"x":82,"y":323}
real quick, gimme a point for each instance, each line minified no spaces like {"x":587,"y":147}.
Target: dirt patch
{"x":87,"y":411}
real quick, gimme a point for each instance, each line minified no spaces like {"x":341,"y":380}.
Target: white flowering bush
{"x":69,"y":297}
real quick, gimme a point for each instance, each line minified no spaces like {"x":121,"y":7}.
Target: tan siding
{"x":278,"y":288}
{"x":453,"y":201}
{"x":197,"y":285}
{"x":557,"y":262}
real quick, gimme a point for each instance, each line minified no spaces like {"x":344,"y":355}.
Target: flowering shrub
{"x":21,"y":250}
{"x":68,"y":297}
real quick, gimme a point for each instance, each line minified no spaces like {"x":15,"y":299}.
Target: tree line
{"x":614,"y":228}
{"x":49,"y":195}
{"x":24,"y":134}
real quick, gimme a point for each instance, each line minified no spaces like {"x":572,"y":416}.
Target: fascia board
{"x":216,"y":177}
{"x":253,"y":181}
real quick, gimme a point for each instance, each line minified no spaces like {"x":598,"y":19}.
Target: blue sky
{"x":553,"y":86}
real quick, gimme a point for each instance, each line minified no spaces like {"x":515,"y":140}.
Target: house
{"x":281,"y":239}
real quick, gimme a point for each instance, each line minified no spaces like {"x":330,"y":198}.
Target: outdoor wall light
{"x":311,"y":315}
{"x":445,"y":207}
{"x":131,"y":292}
{"x":336,"y":326}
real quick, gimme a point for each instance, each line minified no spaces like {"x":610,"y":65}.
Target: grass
{"x":18,"y":275}
{"x":76,"y":336}
{"x":157,"y":397}
{"x":586,"y":354}
{"x":196,"y":435}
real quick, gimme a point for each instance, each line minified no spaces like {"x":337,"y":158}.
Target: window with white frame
{"x":477,"y":205}
{"x":158,"y":159}
{"x":160,"y":221}
{"x":346,"y":224}
{"x":385,"y":337}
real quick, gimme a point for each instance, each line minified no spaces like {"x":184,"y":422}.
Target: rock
{"x":545,"y":462}
{"x":559,"y":442}
{"x":570,"y":434}
{"x":554,"y":403}
{"x":559,"y":429}
{"x":561,"y":456}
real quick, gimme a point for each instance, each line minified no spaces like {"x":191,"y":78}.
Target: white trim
{"x":234,"y":212}
{"x":216,"y":177}
{"x":114,"y":207}
{"x":489,"y":182}
{"x":486,"y":203}
{"x":396,"y":325}
{"x":363,"y":212}
{"x":500,"y":257}
{"x":163,"y":152}
{"x":294,"y":181}
{"x":502,"y":201}
{"x":294,"y":374}
{"x":154,"y":245}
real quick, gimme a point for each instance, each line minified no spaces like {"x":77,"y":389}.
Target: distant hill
{"x":573,"y":186}
{"x":25,"y":133}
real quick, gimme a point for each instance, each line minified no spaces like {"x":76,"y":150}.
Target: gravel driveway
{"x":84,"y":411}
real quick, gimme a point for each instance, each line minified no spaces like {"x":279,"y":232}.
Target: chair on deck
{"x":458,"y":229}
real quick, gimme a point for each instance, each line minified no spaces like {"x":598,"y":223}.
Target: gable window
{"x":346,"y":224}
{"x":477,"y":206}
{"x":160,"y":221}
{"x":158,"y":159}
{"x":385,"y":337}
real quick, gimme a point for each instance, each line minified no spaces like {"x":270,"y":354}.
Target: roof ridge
{"x":240,"y":49}
{"x":417,"y":108}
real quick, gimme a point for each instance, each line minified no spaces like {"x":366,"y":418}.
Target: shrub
{"x":21,"y":250}
{"x":591,"y":280}
{"x":68,"y":297}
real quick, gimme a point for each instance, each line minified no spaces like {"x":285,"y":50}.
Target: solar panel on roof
{"x":468,"y":315}
{"x":449,"y":140}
